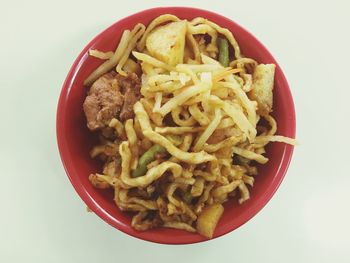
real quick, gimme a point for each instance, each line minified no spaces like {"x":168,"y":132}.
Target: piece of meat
{"x":262,"y":89}
{"x":103,"y":102}
{"x":111,"y":96}
{"x":108,"y":133}
{"x":130,"y":86}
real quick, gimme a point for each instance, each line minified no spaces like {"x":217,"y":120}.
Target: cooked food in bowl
{"x":183,"y":119}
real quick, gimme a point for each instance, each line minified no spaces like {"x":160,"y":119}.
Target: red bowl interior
{"x":75,"y":140}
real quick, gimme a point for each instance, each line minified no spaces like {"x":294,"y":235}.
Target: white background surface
{"x":43,"y":219}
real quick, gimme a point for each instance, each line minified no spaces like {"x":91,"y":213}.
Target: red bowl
{"x":75,"y":140}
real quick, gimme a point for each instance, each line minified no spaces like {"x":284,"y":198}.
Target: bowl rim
{"x":89,"y":200}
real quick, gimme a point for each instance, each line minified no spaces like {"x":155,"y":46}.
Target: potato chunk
{"x":208,"y":219}
{"x":263,"y":79}
{"x":167,"y":43}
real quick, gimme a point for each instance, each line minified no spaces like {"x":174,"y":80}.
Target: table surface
{"x":43,"y":219}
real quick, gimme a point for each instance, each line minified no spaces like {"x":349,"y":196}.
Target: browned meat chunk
{"x":130,"y":86}
{"x":111,"y":96}
{"x":103,"y":102}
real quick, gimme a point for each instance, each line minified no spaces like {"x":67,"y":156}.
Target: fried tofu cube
{"x":167,"y":43}
{"x":208,"y":219}
{"x":263,"y":79}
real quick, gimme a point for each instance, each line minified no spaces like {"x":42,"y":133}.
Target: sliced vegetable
{"x":224,"y":58}
{"x":146,"y":158}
